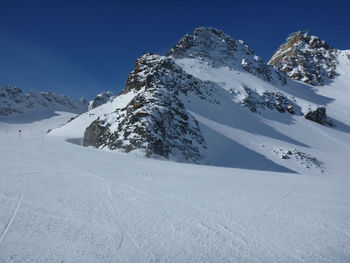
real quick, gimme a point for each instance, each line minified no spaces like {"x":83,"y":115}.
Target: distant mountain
{"x":212,"y":100}
{"x":101,"y":98}
{"x":14,"y":101}
{"x":306,"y":58}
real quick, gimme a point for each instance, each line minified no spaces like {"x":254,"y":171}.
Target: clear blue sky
{"x":82,"y":47}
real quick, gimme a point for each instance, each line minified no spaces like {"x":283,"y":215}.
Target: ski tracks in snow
{"x":9,"y":223}
{"x":115,"y":212}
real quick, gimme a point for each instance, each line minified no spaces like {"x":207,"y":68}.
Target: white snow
{"x":60,"y":202}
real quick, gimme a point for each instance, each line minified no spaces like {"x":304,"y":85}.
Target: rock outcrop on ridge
{"x":306,"y":58}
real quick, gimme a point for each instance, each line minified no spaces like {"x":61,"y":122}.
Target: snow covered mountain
{"x":306,"y":58}
{"x":280,"y":195}
{"x":211,"y":100}
{"x":14,"y":101}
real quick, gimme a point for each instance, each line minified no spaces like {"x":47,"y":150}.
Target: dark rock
{"x":93,"y":134}
{"x":319,"y":115}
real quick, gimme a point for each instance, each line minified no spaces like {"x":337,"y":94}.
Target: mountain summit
{"x":219,"y":49}
{"x":306,"y":58}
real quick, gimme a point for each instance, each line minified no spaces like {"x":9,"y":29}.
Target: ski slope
{"x":60,"y":202}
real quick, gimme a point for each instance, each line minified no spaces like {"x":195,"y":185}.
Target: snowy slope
{"x":60,"y":202}
{"x":280,"y":195}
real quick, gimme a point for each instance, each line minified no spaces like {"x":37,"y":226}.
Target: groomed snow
{"x":60,"y":202}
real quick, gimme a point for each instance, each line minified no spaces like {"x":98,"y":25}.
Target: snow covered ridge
{"x":306,"y":58}
{"x":219,"y":49}
{"x":13,"y":100}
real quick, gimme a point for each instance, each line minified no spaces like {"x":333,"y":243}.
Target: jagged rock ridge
{"x":306,"y":58}
{"x":13,"y":100}
{"x":219,"y":49}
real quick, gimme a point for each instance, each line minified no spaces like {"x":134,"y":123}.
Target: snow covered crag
{"x":306,"y":58}
{"x":13,"y":100}
{"x":155,"y":120}
{"x":101,"y":98}
{"x":209,"y":100}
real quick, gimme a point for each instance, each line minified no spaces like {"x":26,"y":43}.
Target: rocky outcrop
{"x":306,"y":58}
{"x":272,"y":100}
{"x":93,"y":134}
{"x":155,"y":122}
{"x":13,"y":100}
{"x":304,"y":159}
{"x":101,"y":99}
{"x":318,"y":115}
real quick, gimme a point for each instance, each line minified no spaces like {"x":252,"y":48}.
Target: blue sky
{"x":82,"y":47}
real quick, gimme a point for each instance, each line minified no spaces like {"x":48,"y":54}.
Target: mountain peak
{"x":209,"y":44}
{"x":214,"y":47}
{"x":306,"y":58}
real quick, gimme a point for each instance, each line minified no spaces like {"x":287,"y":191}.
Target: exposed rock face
{"x":101,"y":98}
{"x":272,"y":100}
{"x":219,"y":49}
{"x":155,"y":121}
{"x":13,"y":100}
{"x":93,"y":134}
{"x":306,"y":58}
{"x":319,"y":115}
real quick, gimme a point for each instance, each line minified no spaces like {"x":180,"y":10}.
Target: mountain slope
{"x":76,"y":204}
{"x":201,"y":104}
{"x":283,"y":195}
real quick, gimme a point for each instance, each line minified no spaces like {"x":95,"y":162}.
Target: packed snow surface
{"x":60,"y":202}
